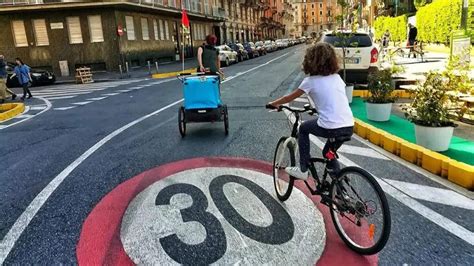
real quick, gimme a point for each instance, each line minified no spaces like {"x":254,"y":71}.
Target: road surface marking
{"x":433,"y":194}
{"x":110,"y":94}
{"x":23,"y":116}
{"x":61,"y":97}
{"x":9,"y":240}
{"x":48,"y":106}
{"x":38,"y":107}
{"x":97,"y":99}
{"x":366,"y":152}
{"x":123,"y":90}
{"x":82,"y":103}
{"x":64,"y":108}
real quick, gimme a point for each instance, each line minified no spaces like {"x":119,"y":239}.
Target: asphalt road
{"x":436,"y":229}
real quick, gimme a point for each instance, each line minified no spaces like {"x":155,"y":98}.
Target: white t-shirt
{"x":329,"y":95}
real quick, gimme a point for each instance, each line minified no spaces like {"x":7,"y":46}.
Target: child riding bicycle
{"x":327,"y":90}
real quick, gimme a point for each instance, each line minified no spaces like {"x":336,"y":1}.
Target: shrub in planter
{"x":379,"y":103}
{"x":430,"y":112}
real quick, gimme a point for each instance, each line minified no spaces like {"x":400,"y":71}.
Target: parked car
{"x":270,"y":46}
{"x":40,"y":77}
{"x":242,"y":54}
{"x":251,"y":49}
{"x":227,"y":55}
{"x":361,"y":55}
{"x":261,"y":48}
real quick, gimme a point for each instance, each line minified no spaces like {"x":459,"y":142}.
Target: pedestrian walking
{"x":22,"y":72}
{"x":3,"y":81}
{"x":412,"y":33}
{"x":386,"y":39}
{"x":371,"y":34}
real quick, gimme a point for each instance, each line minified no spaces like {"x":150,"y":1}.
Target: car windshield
{"x":357,"y":40}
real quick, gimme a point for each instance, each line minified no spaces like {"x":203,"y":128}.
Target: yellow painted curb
{"x":172,"y":74}
{"x":436,"y":163}
{"x":461,"y":174}
{"x":10,"y":110}
{"x":397,"y":93}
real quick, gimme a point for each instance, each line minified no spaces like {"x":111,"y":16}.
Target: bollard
{"x":121,"y":71}
{"x":149,"y":67}
{"x":126,"y":68}
{"x":156,"y":65}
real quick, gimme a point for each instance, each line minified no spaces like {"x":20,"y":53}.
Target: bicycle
{"x":337,"y":191}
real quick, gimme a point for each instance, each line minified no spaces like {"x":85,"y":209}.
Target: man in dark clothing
{"x":412,"y":38}
{"x":3,"y":80}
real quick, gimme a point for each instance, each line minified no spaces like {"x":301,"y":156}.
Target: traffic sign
{"x":203,"y":211}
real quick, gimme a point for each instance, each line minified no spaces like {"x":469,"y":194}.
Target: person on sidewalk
{"x":22,"y":72}
{"x":208,"y":56}
{"x":413,"y":32}
{"x":328,"y":92}
{"x":3,"y":81}
{"x":386,"y":39}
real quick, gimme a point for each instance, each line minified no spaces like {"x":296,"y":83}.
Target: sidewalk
{"x":139,"y":72}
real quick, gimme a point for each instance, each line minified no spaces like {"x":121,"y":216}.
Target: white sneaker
{"x":296,"y":173}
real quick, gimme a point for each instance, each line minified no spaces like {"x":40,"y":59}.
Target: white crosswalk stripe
{"x":97,"y":98}
{"x":82,"y":103}
{"x":61,"y":97}
{"x":64,"y":108}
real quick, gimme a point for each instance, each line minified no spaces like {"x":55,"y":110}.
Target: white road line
{"x":48,"y":106}
{"x":82,"y":103}
{"x":61,"y":97}
{"x":366,"y":152}
{"x":64,"y":108}
{"x":97,"y":99}
{"x":38,"y":107}
{"x":23,"y":116}
{"x":433,"y":194}
{"x":110,"y":94}
{"x":25,"y":218}
{"x":123,"y":90}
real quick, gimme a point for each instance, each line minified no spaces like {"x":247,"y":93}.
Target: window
{"x":321,"y":13}
{"x":162,"y":30}
{"x":206,"y":6}
{"x":155,"y":29}
{"x":41,"y":33}
{"x":172,"y":3}
{"x":130,"y":28}
{"x":312,"y":5}
{"x":95,"y":28}
{"x":19,"y":33}
{"x":320,"y":5}
{"x":167,"y":30}
{"x":313,"y":20}
{"x":74,"y":28}
{"x":145,"y":32}
{"x":312,"y":13}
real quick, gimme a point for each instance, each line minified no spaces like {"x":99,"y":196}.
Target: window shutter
{"x":74,"y":28}
{"x":19,"y":33}
{"x":130,"y":28}
{"x":162,"y":30}
{"x":41,"y":32}
{"x":95,"y":28}
{"x":167,"y":30}
{"x":145,"y":32}
{"x":155,"y":29}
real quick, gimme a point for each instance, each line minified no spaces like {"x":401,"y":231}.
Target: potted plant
{"x":430,"y":112}
{"x":379,"y":103}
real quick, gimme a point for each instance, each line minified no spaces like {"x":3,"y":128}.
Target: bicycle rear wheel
{"x":360,"y":211}
{"x":284,"y":157}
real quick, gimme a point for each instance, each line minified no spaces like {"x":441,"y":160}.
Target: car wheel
{"x":227,"y":61}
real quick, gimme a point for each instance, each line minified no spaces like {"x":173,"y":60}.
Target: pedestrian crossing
{"x":72,"y":91}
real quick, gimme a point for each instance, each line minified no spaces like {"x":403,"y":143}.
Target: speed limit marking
{"x":203,"y":211}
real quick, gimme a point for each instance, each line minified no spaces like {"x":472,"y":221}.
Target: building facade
{"x":314,"y":16}
{"x":63,"y":35}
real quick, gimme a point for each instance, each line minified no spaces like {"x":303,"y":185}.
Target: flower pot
{"x":434,"y":138}
{"x":378,"y":111}
{"x":349,"y":91}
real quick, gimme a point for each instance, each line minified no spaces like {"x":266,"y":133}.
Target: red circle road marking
{"x":100,"y":243}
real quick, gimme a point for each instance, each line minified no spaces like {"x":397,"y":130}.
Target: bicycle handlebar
{"x":307,"y":108}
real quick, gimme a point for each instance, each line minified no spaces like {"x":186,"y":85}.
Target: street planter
{"x":349,"y":92}
{"x":434,"y":138}
{"x":379,"y":112}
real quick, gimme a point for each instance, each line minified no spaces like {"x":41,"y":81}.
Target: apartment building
{"x":63,"y":35}
{"x":314,"y":16}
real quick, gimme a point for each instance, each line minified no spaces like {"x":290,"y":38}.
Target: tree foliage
{"x":437,"y":20}
{"x":396,"y":25}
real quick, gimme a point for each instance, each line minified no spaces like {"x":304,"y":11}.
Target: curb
{"x":11,"y":110}
{"x":398,"y":93}
{"x":436,"y":163}
{"x":172,"y":74}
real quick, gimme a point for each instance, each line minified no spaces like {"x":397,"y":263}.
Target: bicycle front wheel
{"x":360,"y":211}
{"x":284,"y":157}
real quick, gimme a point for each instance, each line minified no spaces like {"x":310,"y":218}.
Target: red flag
{"x":184,"y":19}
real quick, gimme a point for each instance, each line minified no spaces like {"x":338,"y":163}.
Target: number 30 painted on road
{"x":214,"y":246}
